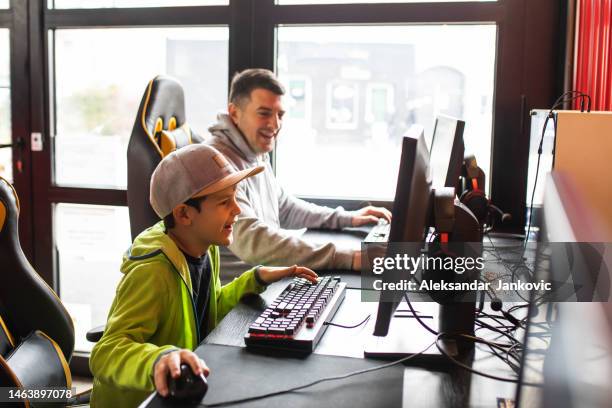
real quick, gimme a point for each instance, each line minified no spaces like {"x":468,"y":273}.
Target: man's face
{"x":259,"y":119}
{"x":212,"y":225}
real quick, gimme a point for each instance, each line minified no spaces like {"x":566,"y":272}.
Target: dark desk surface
{"x":237,"y":372}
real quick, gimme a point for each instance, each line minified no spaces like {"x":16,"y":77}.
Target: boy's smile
{"x":214,"y":223}
{"x":229,"y":227}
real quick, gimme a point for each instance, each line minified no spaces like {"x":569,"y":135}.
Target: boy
{"x":171,"y":295}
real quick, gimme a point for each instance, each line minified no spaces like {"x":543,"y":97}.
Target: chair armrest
{"x":95,"y":334}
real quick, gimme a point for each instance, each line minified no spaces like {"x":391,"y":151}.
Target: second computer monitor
{"x":412,"y":190}
{"x":447,"y":151}
{"x":410,"y":210}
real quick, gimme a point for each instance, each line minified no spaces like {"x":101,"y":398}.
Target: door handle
{"x":18,"y":143}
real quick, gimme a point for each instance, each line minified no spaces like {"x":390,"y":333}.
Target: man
{"x":245,"y":135}
{"x":171,"y":295}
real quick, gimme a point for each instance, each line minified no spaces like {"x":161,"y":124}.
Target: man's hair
{"x":196,"y":203}
{"x":245,"y":82}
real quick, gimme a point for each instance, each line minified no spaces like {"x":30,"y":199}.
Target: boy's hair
{"x":245,"y":82}
{"x":196,"y":203}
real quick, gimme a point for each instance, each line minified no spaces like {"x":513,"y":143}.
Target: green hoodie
{"x":153,"y":312}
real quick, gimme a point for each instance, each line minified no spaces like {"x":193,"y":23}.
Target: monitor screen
{"x":447,"y":151}
{"x":410,"y":208}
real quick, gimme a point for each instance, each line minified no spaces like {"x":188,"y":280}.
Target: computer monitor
{"x":567,"y":354}
{"x":410,"y":209}
{"x":447,"y":150}
{"x":412,"y":189}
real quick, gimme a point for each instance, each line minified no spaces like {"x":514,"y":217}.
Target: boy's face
{"x":212,"y":225}
{"x":259,"y":119}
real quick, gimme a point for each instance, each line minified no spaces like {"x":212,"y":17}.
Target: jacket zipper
{"x":193,"y":308}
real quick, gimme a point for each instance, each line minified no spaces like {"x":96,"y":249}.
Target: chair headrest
{"x":163,"y":108}
{"x":9,"y":202}
{"x":170,"y":140}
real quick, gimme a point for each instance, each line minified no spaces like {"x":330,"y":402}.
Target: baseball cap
{"x":189,"y":172}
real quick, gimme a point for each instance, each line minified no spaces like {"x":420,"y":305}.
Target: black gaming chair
{"x":36,"y":331}
{"x":159,"y":129}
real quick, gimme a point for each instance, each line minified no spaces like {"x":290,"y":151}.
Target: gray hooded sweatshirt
{"x":267,"y":207}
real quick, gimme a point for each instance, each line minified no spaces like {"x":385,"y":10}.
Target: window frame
{"x":15,"y":20}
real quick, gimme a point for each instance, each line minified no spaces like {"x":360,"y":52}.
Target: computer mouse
{"x":188,"y":387}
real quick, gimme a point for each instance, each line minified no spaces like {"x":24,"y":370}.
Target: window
{"x":90,"y":240}
{"x":96,"y":94}
{"x":99,"y":86}
{"x":4,"y":4}
{"x":67,"y":4}
{"x":379,"y":102}
{"x":342,"y":105}
{"x":298,"y":97}
{"x":367,"y":86}
{"x":6,"y":167}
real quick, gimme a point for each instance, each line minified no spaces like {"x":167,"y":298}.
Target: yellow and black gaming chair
{"x":159,"y":129}
{"x":36,"y":331}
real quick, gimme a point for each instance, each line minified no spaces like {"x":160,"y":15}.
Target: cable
{"x":495,"y":319}
{"x":332,"y":378}
{"x":470,"y":369}
{"x":429,"y":329}
{"x":534,"y":189}
{"x":348,"y":327}
{"x":485,"y":325}
{"x":492,"y":328}
{"x":511,"y":357}
{"x":518,"y":264}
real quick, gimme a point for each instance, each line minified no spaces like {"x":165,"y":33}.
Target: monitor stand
{"x":407,"y":336}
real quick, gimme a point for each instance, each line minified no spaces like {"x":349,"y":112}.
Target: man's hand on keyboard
{"x":370,"y":215}
{"x":271,"y":274}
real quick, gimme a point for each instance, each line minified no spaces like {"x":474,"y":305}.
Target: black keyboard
{"x":295,"y":320}
{"x":379,"y":233}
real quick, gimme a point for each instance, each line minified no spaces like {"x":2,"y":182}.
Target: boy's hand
{"x":171,"y":363}
{"x":271,"y":274}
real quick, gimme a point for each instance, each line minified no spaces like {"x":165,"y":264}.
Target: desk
{"x":238,"y":372}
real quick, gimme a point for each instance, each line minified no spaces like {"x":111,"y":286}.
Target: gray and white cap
{"x":192,"y":171}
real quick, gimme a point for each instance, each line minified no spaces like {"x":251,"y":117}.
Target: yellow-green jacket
{"x":153,"y":312}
